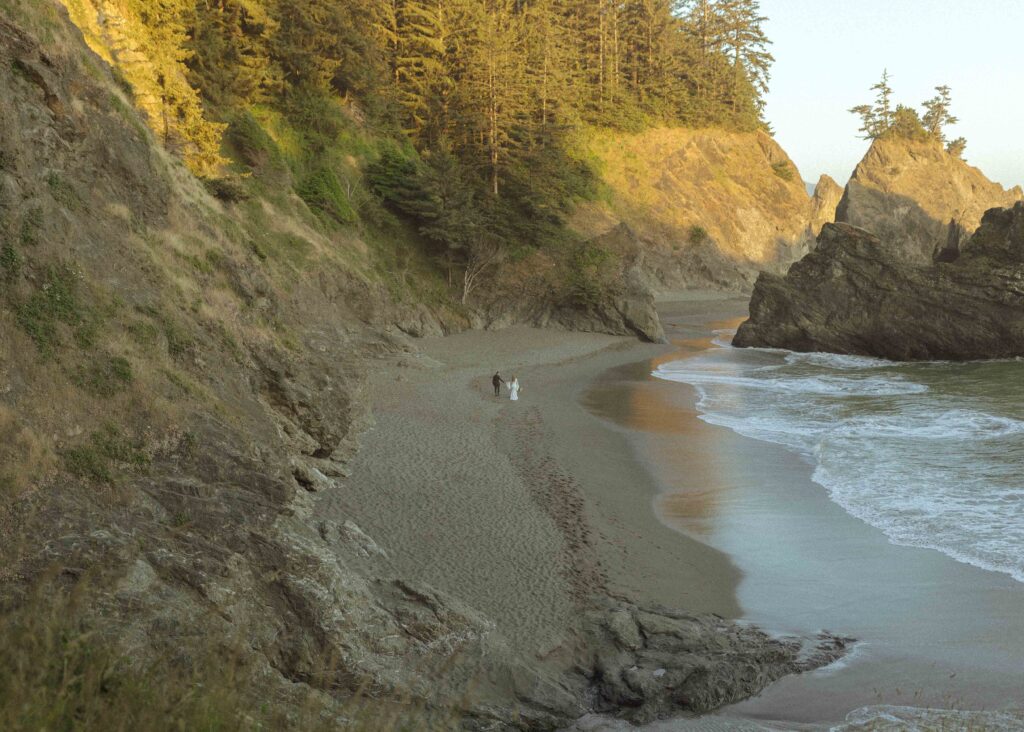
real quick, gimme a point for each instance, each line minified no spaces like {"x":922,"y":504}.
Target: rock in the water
{"x":915,"y":196}
{"x":855,"y":294}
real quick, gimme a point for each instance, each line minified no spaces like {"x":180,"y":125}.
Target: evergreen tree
{"x":877,"y":118}
{"x":230,"y":60}
{"x":745,"y":43}
{"x":883,"y":103}
{"x":937,"y":115}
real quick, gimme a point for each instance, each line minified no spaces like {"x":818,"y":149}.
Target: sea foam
{"x":930,"y":454}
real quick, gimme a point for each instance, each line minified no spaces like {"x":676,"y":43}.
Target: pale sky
{"x":828,"y":53}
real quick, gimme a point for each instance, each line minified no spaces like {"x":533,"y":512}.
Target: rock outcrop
{"x":918,"y":198}
{"x":824,"y":202}
{"x":857,"y":294}
{"x":710,"y":207}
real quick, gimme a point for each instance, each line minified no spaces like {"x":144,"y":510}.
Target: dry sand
{"x":524,"y":509}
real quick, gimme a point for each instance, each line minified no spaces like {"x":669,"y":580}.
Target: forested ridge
{"x":459,"y":116}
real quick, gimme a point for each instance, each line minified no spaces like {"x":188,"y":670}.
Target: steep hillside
{"x":711,"y":207}
{"x":917,"y":197}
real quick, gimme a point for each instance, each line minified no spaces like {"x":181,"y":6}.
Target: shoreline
{"x":932,"y":632}
{"x":538,"y":518}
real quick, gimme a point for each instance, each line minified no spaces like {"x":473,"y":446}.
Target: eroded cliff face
{"x":857,"y":294}
{"x":919,"y":199}
{"x":709,"y":208}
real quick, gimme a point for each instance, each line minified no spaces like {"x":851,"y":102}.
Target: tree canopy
{"x":880,"y":119}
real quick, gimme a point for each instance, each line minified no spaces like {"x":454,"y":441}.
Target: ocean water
{"x":931,"y":454}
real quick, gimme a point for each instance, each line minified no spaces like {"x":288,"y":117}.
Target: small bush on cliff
{"x":54,"y":302}
{"x":783,"y":170}
{"x":697,"y":234}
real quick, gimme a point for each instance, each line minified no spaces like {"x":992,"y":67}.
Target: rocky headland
{"x":704,"y":208}
{"x":919,"y":199}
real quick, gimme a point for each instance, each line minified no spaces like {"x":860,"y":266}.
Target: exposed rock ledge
{"x":856,"y":294}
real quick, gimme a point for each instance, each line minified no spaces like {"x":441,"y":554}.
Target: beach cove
{"x":657,"y":506}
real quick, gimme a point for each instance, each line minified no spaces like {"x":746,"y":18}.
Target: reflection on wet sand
{"x":631,"y":398}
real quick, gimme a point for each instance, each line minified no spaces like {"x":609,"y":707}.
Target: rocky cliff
{"x":857,"y":294}
{"x":708,"y":208}
{"x":918,"y":198}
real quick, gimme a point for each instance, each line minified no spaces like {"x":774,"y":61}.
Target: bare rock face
{"x":919,"y":199}
{"x":711,"y":207}
{"x":824,"y":202}
{"x":858,"y":294}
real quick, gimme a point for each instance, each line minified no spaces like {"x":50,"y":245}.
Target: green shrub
{"x":52,"y":303}
{"x":62,"y":191}
{"x":10,"y":262}
{"x":250,"y":143}
{"x":106,"y":449}
{"x":783,"y":169}
{"x":697,"y":234}
{"x":31,"y":225}
{"x":324,"y":193}
{"x":229,"y":188}
{"x":590,"y":274}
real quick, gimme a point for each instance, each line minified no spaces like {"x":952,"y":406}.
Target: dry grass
{"x":24,"y":456}
{"x":63,"y":673}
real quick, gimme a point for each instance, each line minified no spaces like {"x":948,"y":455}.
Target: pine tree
{"x":883,"y":111}
{"x":745,"y":43}
{"x":937,"y":115}
{"x":495,"y":84}
{"x":877,"y":118}
{"x":307,"y":44}
{"x":230,"y":60}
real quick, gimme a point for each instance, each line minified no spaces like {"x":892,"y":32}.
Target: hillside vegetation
{"x":453,"y":127}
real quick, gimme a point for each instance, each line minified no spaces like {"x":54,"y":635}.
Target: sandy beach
{"x":602,"y":480}
{"x":523,"y":509}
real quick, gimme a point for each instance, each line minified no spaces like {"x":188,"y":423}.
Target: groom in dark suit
{"x":497,"y":381}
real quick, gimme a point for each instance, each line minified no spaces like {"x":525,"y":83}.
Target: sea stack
{"x":918,"y":198}
{"x":857,"y":294}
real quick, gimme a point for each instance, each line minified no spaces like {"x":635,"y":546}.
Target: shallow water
{"x":873,"y":499}
{"x":931,"y":454}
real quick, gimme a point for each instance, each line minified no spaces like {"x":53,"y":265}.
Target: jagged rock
{"x":855,"y":294}
{"x":918,"y":198}
{"x":653,"y":662}
{"x":827,"y":194}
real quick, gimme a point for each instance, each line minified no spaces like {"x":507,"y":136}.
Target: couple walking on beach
{"x":513,"y":386}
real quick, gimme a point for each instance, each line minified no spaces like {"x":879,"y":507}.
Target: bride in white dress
{"x":513,"y":389}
